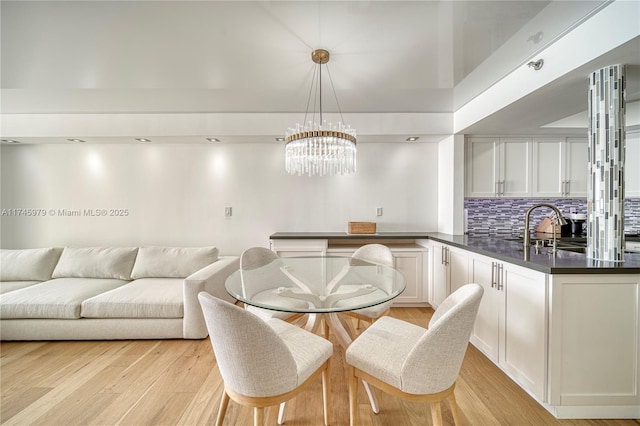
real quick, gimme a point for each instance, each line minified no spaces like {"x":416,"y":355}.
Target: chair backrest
{"x":377,"y":254}
{"x":374,"y":253}
{"x":252,"y":358}
{"x":259,"y":270}
{"x":434,"y":363}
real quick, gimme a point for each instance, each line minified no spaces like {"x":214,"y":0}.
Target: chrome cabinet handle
{"x":493,"y":274}
{"x":500,"y":278}
{"x":442,"y":255}
{"x":568,"y":190}
{"x":446,"y":255}
{"x":501,"y":187}
{"x":497,"y":189}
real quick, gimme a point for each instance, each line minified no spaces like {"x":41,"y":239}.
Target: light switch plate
{"x":227,"y":212}
{"x":379,"y":211}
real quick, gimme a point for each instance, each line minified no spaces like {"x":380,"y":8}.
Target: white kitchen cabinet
{"x":498,"y":167}
{"x":410,"y":259}
{"x":510,"y":327}
{"x":409,"y":263}
{"x":594,"y":356}
{"x":632,"y":165}
{"x":450,"y":271}
{"x":439,"y":286}
{"x":559,"y":167}
{"x":576,"y":167}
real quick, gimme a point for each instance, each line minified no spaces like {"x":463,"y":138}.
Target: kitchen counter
{"x":564,"y":262}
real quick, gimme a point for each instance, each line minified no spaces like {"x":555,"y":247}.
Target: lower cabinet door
{"x":440,"y":276}
{"x":458,"y":268}
{"x":486,"y":330}
{"x":524,"y":344}
{"x":410,"y":265}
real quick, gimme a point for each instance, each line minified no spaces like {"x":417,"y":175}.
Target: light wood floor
{"x":176,"y":382}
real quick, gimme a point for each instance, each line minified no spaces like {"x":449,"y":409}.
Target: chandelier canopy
{"x":320,"y":148}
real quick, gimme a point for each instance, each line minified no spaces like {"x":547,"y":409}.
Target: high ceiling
{"x":244,"y":57}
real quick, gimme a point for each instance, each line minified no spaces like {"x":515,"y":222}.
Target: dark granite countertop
{"x":564,"y":262}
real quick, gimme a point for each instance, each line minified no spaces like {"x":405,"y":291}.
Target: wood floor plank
{"x":176,"y":382}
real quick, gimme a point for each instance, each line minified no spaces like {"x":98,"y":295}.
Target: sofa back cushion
{"x":96,"y":262}
{"x":172,"y":262}
{"x":28,"y":264}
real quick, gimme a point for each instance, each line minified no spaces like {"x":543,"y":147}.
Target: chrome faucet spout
{"x":527,"y":220}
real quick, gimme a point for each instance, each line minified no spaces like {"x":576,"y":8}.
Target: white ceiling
{"x":245,"y":57}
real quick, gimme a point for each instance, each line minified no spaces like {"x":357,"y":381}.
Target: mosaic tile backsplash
{"x":505,"y":216}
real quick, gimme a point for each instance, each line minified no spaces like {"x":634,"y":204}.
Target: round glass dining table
{"x":317,"y":285}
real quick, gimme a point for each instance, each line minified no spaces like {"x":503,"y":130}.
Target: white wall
{"x":451,"y":185}
{"x":175,"y":194}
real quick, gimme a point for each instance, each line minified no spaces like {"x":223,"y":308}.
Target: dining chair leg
{"x":454,"y":409}
{"x":436,"y":415}
{"x":258,"y":416}
{"x":326,"y":393}
{"x":325,"y":328}
{"x":281,"y":413}
{"x":353,"y":396}
{"x":224,"y":403}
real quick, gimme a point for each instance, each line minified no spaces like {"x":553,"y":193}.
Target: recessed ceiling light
{"x":10,"y":141}
{"x":75,"y":140}
{"x":412,"y":138}
{"x":280,"y":139}
{"x":213,"y":139}
{"x":143,"y":140}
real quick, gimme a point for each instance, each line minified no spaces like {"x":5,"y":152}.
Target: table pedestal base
{"x":341,"y":331}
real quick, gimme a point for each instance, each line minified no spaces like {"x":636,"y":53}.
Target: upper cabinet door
{"x":548,"y":168}
{"x":577,"y":169}
{"x":632,"y":166}
{"x":515,"y":167}
{"x":482,"y":167}
{"x":498,"y":167}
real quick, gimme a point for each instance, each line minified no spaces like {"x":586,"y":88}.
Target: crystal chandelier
{"x":320,"y":148}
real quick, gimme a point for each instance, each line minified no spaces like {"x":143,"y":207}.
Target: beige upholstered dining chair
{"x":265,"y":266}
{"x":381,"y":255}
{"x":416,"y":364}
{"x":263,"y":363}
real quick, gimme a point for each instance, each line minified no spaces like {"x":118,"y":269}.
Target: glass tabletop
{"x":317,"y":284}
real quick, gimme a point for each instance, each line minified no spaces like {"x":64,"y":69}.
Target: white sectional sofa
{"x":106,"y":293}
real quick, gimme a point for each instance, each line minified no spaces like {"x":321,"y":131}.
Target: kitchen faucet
{"x":527,"y":219}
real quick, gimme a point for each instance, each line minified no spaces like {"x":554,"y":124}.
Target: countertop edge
{"x":454,"y":240}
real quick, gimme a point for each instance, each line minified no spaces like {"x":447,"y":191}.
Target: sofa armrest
{"x":210,"y":279}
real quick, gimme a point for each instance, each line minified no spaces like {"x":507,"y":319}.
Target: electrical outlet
{"x":227,"y":212}
{"x":379,"y":211}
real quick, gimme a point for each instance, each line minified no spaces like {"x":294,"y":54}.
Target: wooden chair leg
{"x":454,"y":409}
{"x":224,"y":403}
{"x":326,"y":387}
{"x":325,"y":329}
{"x":353,"y":396}
{"x":436,"y":415}
{"x":258,"y":416}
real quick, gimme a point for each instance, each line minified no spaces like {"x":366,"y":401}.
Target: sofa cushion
{"x":143,"y":298}
{"x":172,"y":262}
{"x":28,"y":264}
{"x":7,"y":286}
{"x":96,"y":262}
{"x":57,"y":298}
